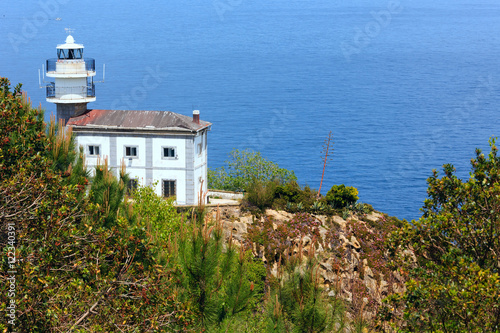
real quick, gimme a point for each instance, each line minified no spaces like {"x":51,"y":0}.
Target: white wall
{"x":71,"y":88}
{"x":180,"y":147}
{"x":200,"y":162}
{"x":134,"y":162}
{"x":199,"y":158}
{"x":139,"y":174}
{"x":170,"y":168}
{"x":179,"y":176}
{"x":163,"y":169}
{"x":95,"y":140}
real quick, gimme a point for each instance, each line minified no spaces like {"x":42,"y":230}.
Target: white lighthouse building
{"x":163,"y":149}
{"x":73,"y":85}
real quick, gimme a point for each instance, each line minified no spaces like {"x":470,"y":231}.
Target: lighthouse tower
{"x":73,"y":80}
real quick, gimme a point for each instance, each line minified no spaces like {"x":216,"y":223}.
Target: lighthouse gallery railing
{"x":52,"y":65}
{"x":70,"y":92}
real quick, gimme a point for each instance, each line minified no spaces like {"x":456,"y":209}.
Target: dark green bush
{"x":341,"y":196}
{"x":369,"y":208}
{"x":292,"y":193}
{"x":289,"y":192}
{"x":260,"y":194}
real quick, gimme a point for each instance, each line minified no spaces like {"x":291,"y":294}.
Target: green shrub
{"x":341,"y":196}
{"x":244,"y":168}
{"x":308,"y":196}
{"x":290,"y":192}
{"x":293,"y":193}
{"x":260,"y":194}
{"x":281,"y":204}
{"x":155,"y":213}
{"x":256,"y":272}
{"x":300,"y":305}
{"x":368,"y":208}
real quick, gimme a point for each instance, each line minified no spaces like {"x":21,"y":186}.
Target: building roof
{"x":136,"y":120}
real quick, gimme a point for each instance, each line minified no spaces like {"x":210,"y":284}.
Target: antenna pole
{"x":39,"y":81}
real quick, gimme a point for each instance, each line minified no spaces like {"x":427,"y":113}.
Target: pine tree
{"x":107,"y":192}
{"x":211,"y":273}
{"x":299,"y":304}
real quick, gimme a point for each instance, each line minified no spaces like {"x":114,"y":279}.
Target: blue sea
{"x":404,"y":86}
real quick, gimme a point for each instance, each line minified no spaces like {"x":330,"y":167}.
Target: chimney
{"x":196,"y":116}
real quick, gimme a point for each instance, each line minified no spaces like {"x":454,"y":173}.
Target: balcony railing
{"x":66,"y":65}
{"x":89,"y":64}
{"x":51,"y":90}
{"x":70,"y":93}
{"x":91,"y":90}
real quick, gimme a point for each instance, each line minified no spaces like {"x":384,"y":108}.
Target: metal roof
{"x":136,"y":120}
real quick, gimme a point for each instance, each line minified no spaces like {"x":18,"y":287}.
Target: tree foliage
{"x":245,"y":167}
{"x":299,"y":304}
{"x":291,"y":192}
{"x":22,"y":131}
{"x":213,"y":280}
{"x":79,"y":264}
{"x":157,"y":215}
{"x":454,"y":280}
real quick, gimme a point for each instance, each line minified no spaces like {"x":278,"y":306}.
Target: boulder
{"x":279,"y":215}
{"x":340,"y":221}
{"x":355,"y":244}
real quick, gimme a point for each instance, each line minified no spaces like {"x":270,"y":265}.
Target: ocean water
{"x":404,"y":86}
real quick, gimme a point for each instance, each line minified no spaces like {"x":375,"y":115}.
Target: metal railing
{"x":52,"y":65}
{"x":91,"y":90}
{"x":70,"y":93}
{"x":89,"y":64}
{"x":51,"y":89}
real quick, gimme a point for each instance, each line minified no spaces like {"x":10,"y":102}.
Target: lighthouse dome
{"x":70,"y":44}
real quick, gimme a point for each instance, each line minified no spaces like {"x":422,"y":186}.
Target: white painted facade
{"x":188,"y":168}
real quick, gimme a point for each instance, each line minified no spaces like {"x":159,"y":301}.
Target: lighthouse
{"x":73,"y":80}
{"x":159,"y":148}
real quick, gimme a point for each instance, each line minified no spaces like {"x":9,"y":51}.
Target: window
{"x":169,"y":153}
{"x":69,"y":53}
{"x":93,"y":150}
{"x":132,"y":186}
{"x":199,"y":148}
{"x":168,"y":188}
{"x":131,"y":151}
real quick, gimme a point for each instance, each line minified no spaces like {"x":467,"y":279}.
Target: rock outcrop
{"x":351,"y":256}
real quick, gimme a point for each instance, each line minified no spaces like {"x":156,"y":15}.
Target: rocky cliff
{"x":351,"y":253}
